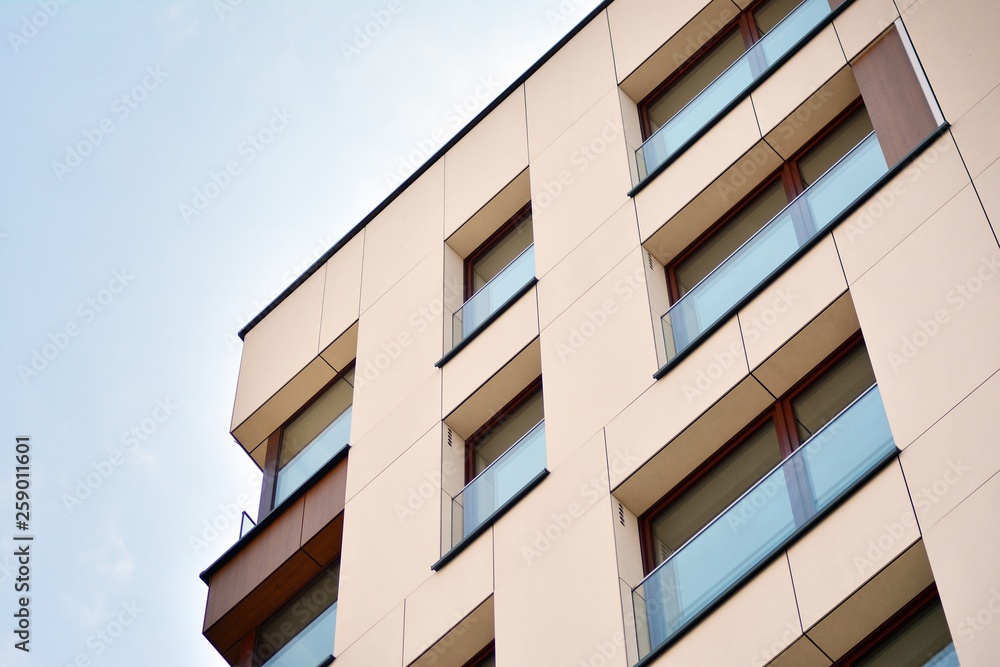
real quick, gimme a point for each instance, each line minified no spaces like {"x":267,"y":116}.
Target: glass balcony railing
{"x":324,"y":447}
{"x":808,"y":216}
{"x":494,"y":294}
{"x":498,"y":483}
{"x":311,"y":646}
{"x":763,"y":520}
{"x":730,"y":86}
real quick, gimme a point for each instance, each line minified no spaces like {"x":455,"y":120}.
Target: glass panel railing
{"x":763,"y":520}
{"x":324,"y":447}
{"x":311,"y":646}
{"x":729,"y":86}
{"x":498,"y":483}
{"x":493,"y":294}
{"x":808,"y":216}
{"x":246,"y":524}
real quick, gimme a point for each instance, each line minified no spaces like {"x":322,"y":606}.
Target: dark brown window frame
{"x":780,"y":411}
{"x":789,"y":176}
{"x":480,"y":658}
{"x":744,"y":22}
{"x":498,"y":418}
{"x":487,"y":245}
{"x":269,"y":484}
{"x":873,"y":641}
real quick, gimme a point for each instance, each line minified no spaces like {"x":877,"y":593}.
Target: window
{"x":917,"y":636}
{"x":485,"y":658}
{"x":301,"y":632}
{"x":310,"y":439}
{"x":507,"y":427}
{"x":712,"y":60}
{"x":495,"y":273}
{"x":769,"y":440}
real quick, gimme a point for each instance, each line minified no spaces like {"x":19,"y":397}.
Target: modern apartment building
{"x":683,"y":353}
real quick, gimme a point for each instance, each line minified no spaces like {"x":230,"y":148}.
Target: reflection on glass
{"x":302,"y":632}
{"x":730,"y":85}
{"x":763,"y":520}
{"x":500,"y":254}
{"x":499,"y":482}
{"x":804,"y":219}
{"x":494,"y":294}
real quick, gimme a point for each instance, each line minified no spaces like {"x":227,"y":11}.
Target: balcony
{"x":311,"y":647}
{"x":483,"y":500}
{"x":504,"y":288}
{"x":762,"y":522}
{"x":710,"y":302}
{"x":323,"y":448}
{"x":739,"y":79}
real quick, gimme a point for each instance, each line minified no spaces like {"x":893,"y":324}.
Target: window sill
{"x":489,"y":521}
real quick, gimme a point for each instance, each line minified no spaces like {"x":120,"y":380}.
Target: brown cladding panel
{"x":325,"y":545}
{"x":894,"y":97}
{"x":324,"y":501}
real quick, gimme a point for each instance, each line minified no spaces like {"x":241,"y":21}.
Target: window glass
{"x":724,"y":242}
{"x":770,"y":14}
{"x":835,"y":146}
{"x":323,"y":412}
{"x":832,"y":392}
{"x":696,"y":79}
{"x":501,"y":253}
{"x":500,"y":437}
{"x":714,"y":492}
{"x":922,"y":642}
{"x":302,"y":630}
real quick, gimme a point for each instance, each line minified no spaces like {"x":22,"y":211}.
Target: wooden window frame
{"x":791,"y":180}
{"x":500,"y":417}
{"x":269,"y":484}
{"x":487,"y":245}
{"x":480,"y":658}
{"x":780,"y":411}
{"x":745,"y":22}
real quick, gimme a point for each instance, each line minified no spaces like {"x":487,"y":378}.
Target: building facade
{"x":684,"y":352}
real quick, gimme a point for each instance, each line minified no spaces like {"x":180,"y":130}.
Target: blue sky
{"x":166,"y":169}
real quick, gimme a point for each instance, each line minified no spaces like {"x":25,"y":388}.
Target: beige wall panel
{"x":492,"y":347}
{"x":815,"y":113}
{"x":874,"y":603}
{"x":782,"y":92}
{"x":542,"y":582}
{"x":391,"y":538}
{"x":578,"y":182}
{"x":342,"y":293}
{"x":488,"y":219}
{"x":955,"y":456}
{"x":862,"y":22}
{"x":957,"y":49}
{"x":963,"y":549}
{"x":384,"y":442}
{"x":899,"y":207}
{"x":678,"y":398}
{"x":485,"y":160}
{"x":403,"y":234}
{"x":758,"y":619}
{"x":696,"y":168}
{"x":608,"y":328}
{"x":932,"y":339}
{"x":988,"y":187}
{"x":284,"y":404}
{"x":450,"y":595}
{"x":280,"y":346}
{"x":978,"y":134}
{"x":463,"y":641}
{"x":587,"y":263}
{"x":848,"y":547}
{"x":382,"y":645}
{"x":569,"y":84}
{"x":803,"y":291}
{"x":399,"y":339}
{"x":802,"y":653}
{"x":640,"y":27}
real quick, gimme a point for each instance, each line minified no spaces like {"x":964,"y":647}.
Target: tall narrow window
{"x":301,"y":632}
